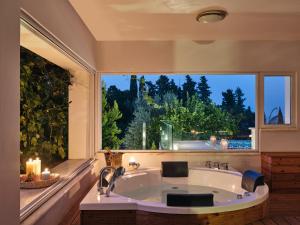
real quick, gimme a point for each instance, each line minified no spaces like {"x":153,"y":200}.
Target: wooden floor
{"x":284,"y":209}
{"x":279,"y":220}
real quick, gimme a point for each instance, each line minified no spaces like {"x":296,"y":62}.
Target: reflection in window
{"x":277,"y":100}
{"x":178,"y":112}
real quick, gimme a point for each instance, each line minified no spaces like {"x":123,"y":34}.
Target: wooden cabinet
{"x":282,"y":171}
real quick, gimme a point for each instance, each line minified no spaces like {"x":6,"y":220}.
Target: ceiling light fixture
{"x":211,"y":16}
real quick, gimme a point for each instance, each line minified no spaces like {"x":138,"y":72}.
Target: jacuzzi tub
{"x":145,"y":191}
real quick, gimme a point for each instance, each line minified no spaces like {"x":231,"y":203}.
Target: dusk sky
{"x":218,"y":83}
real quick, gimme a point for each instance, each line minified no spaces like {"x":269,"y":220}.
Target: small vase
{"x":113,"y":159}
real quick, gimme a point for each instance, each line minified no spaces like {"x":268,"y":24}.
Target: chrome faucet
{"x":225,"y":165}
{"x":109,"y":174}
{"x":208,"y":164}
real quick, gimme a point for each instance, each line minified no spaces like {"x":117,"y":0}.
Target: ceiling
{"x":128,"y":20}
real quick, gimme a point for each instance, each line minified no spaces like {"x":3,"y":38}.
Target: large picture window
{"x":178,"y":111}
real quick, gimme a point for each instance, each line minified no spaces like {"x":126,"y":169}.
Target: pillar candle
{"x":224,"y":144}
{"x":37,"y":165}
{"x":29,"y":167}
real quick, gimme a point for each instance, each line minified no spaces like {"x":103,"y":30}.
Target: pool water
{"x":239,"y":144}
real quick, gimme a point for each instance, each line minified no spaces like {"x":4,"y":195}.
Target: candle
{"x":132,"y":160}
{"x":45,"y":174}
{"x":224,"y":144}
{"x":213,"y":140}
{"x":37,"y":166}
{"x":29,"y":167}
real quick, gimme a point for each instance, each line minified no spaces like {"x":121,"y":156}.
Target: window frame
{"x":31,"y":24}
{"x":230,"y":151}
{"x":293,"y":102}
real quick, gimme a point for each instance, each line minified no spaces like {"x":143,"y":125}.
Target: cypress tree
{"x":133,"y":88}
{"x":188,"y":88}
{"x":203,"y":90}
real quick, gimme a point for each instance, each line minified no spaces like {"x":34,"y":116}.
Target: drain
{"x":174,"y":188}
{"x":215,"y":192}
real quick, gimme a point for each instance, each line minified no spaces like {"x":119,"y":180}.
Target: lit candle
{"x":37,"y":166}
{"x":224,"y":144}
{"x":132,"y":160}
{"x":29,"y":167}
{"x":45,"y":174}
{"x":213,"y":140}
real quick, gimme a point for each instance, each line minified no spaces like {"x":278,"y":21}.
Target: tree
{"x":110,"y":130}
{"x":203,"y":90}
{"x":280,"y":116}
{"x":188,"y":88}
{"x":173,"y":88}
{"x":133,"y":136}
{"x":228,"y":101}
{"x":133,"y":88}
{"x":142,"y":87}
{"x":205,"y":120}
{"x":162,"y":85}
{"x":125,"y":106}
{"x":239,"y":101}
{"x":151,"y":89}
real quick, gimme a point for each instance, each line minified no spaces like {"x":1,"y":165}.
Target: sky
{"x":274,"y":88}
{"x":217,"y":83}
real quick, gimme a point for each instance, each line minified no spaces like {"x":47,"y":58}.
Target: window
{"x":178,"y":112}
{"x":56,"y":121}
{"x":277,"y":100}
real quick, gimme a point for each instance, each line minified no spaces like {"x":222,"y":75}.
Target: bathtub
{"x":144,"y":193}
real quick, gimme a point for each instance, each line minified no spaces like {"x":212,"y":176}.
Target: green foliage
{"x":146,"y":111}
{"x":125,"y":106}
{"x":188,"y":88}
{"x":43,"y":109}
{"x":133,"y":88}
{"x":187,"y":109}
{"x":142,"y":87}
{"x":162,"y":85}
{"x":205,"y":119}
{"x":110,"y":130}
{"x":203,"y":90}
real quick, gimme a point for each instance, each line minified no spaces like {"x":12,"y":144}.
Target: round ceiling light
{"x":211,"y":16}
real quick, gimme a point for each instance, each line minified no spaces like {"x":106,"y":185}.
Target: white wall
{"x":79,"y":116}
{"x":59,"y":17}
{"x":9,"y":112}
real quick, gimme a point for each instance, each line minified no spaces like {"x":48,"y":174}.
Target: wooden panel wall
{"x":282,"y":171}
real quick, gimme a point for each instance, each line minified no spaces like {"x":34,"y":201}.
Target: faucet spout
{"x":110,"y":175}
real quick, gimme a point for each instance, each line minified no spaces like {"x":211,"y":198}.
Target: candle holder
{"x":133,"y":165}
{"x":213,"y":140}
{"x":224,"y":144}
{"x":36,"y":181}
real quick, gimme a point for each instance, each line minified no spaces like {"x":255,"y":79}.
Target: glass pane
{"x":178,"y":112}
{"x":277,"y":100}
